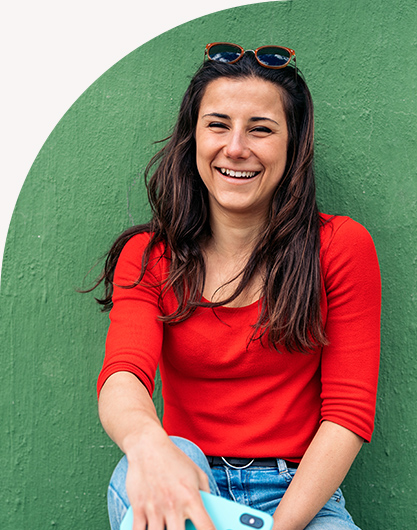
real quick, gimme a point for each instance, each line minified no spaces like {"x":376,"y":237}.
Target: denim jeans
{"x":259,"y":487}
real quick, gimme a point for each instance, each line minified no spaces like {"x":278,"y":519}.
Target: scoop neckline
{"x":233,"y":308}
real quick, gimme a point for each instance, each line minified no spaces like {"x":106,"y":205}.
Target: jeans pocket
{"x":265,"y":487}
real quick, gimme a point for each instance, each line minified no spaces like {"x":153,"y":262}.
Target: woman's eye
{"x":217,"y":124}
{"x":262,"y":130}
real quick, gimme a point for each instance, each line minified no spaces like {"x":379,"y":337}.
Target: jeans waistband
{"x":243,"y":463}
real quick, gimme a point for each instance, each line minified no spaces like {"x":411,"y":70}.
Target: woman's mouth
{"x":237,"y":174}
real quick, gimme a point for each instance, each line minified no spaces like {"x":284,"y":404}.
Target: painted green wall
{"x":85,"y":186}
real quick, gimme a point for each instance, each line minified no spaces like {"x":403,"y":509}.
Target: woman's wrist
{"x":150,"y":434}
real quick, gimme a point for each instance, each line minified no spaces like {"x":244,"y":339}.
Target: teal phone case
{"x":225,"y":514}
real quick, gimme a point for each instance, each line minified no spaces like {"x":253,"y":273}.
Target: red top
{"x":254,"y":402}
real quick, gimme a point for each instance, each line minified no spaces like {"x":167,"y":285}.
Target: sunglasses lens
{"x":274,"y":56}
{"x":224,"y":53}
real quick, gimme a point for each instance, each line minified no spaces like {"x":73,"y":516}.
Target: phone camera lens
{"x":252,"y":521}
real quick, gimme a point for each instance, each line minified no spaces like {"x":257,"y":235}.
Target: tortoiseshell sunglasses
{"x":269,"y":56}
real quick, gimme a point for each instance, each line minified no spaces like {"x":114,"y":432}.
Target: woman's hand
{"x":162,"y":483}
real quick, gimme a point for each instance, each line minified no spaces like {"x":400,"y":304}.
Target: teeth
{"x":238,"y":174}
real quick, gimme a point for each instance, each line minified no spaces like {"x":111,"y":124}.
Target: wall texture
{"x":85,"y":186}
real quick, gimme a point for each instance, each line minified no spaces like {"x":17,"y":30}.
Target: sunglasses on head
{"x":268,"y":56}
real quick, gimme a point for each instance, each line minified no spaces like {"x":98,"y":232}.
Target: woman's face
{"x":241,"y":139}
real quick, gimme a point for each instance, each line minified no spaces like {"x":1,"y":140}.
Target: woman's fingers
{"x":194,"y":510}
{"x":171,"y":516}
{"x":139,"y":520}
{"x":203,"y":481}
{"x":199,"y":516}
{"x":155,"y":519}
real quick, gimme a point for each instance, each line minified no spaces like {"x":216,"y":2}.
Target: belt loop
{"x":282,"y":465}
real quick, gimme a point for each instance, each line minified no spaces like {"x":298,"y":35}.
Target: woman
{"x":262,"y":314}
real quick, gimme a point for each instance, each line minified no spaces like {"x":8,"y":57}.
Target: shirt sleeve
{"x":350,"y":362}
{"x":134,"y":338}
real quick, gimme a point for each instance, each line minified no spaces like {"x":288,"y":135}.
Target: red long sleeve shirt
{"x":242,"y":401}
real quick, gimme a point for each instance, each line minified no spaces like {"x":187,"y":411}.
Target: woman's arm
{"x":349,"y":372}
{"x":162,"y":482}
{"x":321,"y":471}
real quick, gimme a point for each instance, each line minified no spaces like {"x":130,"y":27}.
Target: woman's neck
{"x":234,"y":236}
{"x":226,"y":254}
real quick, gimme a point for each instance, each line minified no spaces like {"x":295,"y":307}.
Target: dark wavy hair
{"x":288,"y":247}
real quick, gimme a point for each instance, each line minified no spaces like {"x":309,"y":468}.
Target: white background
{"x":51,"y":51}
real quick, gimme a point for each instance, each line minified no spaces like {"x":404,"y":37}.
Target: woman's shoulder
{"x":341,"y":229}
{"x":132,"y":254}
{"x":344,"y":238}
{"x":137,"y":244}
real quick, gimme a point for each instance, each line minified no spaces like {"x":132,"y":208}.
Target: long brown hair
{"x":288,"y":248}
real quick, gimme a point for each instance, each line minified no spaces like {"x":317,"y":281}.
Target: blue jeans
{"x":259,"y":487}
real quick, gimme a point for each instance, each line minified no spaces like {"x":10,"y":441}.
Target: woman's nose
{"x":236,"y":146}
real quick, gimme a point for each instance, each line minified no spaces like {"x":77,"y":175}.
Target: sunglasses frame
{"x":255,"y":52}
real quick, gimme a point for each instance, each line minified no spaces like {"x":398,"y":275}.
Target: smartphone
{"x":225,"y":514}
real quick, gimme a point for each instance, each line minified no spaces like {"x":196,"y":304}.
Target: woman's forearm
{"x":321,"y":471}
{"x":126,"y":410}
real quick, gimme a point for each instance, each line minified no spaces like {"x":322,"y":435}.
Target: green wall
{"x":85,"y":186}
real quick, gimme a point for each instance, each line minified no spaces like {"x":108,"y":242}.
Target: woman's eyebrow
{"x":217,"y":115}
{"x":226,"y":117}
{"x":262,"y":118}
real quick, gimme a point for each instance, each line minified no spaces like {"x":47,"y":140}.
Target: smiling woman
{"x":241,"y":138}
{"x":261,"y":313}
